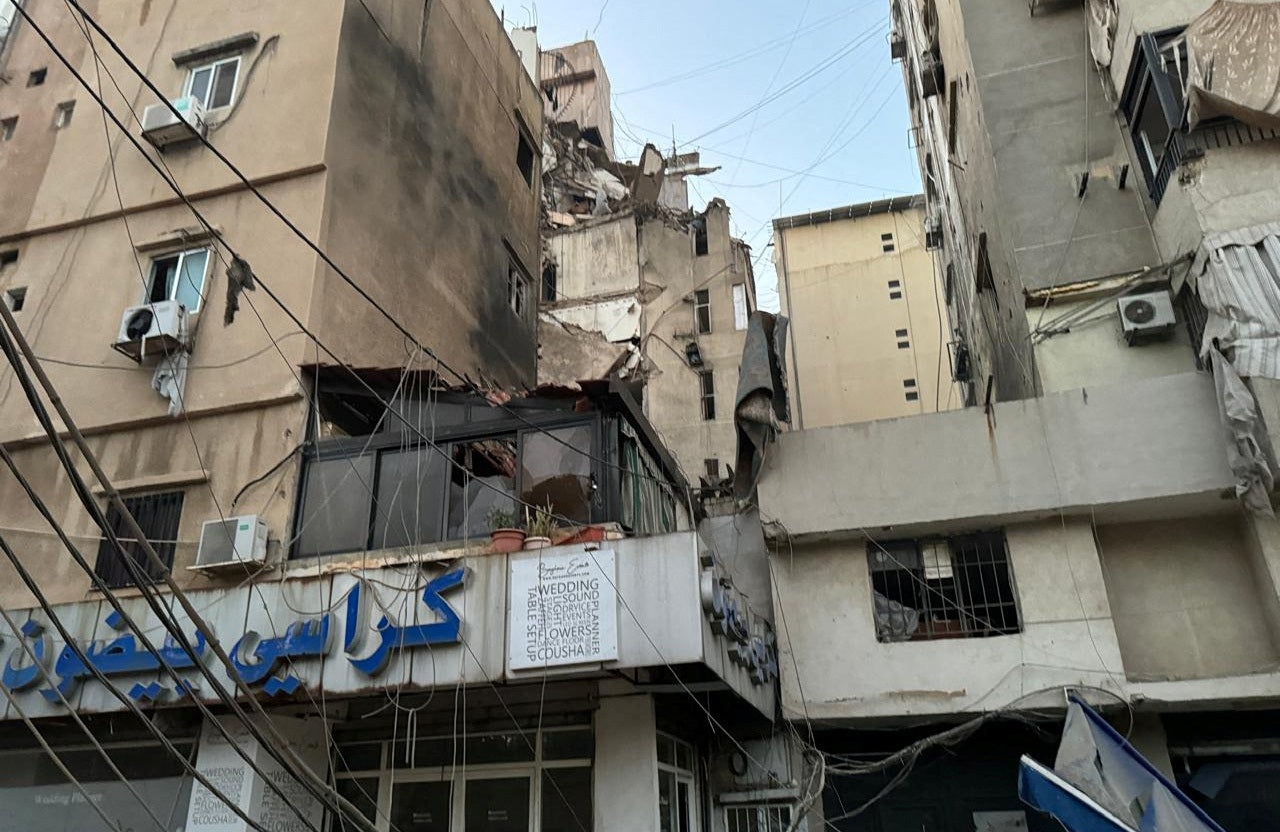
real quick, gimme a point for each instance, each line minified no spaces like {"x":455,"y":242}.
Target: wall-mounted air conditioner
{"x":153,"y":329}
{"x":1147,"y":315}
{"x":162,"y":128}
{"x":236,"y":543}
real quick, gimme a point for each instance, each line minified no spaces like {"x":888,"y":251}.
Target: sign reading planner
{"x":564,"y":609}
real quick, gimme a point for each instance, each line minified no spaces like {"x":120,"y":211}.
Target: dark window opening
{"x":894,"y":284}
{"x":700,"y":244}
{"x":15,"y":298}
{"x":956,"y":587}
{"x":702,"y":311}
{"x":707,"y":386}
{"x":886,"y":242}
{"x":985,"y":279}
{"x":525,"y":157}
{"x":952,"y":116}
{"x":1153,"y":104}
{"x":712,"y":467}
{"x":908,"y":382}
{"x":37,"y":76}
{"x":1195,"y":316}
{"x":895,"y":296}
{"x":948,"y":286}
{"x":8,"y":258}
{"x":912,"y":396}
{"x":902,"y":345}
{"x":62,"y":114}
{"x":901,"y":333}
{"x":550,"y":291}
{"x":7,"y":128}
{"x":517,"y":291}
{"x":592,"y":134}
{"x":158,"y":516}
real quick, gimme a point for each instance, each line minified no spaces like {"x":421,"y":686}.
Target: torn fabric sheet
{"x":1246,"y":437}
{"x":1237,"y":276}
{"x":1234,"y":52}
{"x":761,"y":403}
{"x":170,"y":380}
{"x":1102,"y":30}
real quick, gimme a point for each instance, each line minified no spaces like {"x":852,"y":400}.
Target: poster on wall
{"x":563,"y":609}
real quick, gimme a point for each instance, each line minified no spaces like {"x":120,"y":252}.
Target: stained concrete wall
{"x":625,"y":770}
{"x":1128,"y":448}
{"x":844,"y":363}
{"x":426,"y":205}
{"x":577,"y":87}
{"x":1186,"y":600}
{"x":598,"y":258}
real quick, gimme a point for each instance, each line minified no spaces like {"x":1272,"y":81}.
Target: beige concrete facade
{"x":868,"y":339}
{"x":388,"y":135}
{"x":576,"y":88}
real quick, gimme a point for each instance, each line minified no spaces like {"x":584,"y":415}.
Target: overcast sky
{"x":798,"y":102}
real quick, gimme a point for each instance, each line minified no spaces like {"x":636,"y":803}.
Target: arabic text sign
{"x":564,"y":609}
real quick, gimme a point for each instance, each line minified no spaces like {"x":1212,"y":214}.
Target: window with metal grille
{"x":757,"y":818}
{"x":707,"y":383}
{"x":886,"y":242}
{"x":157,"y":516}
{"x":1152,"y":103}
{"x":702,"y":311}
{"x":1195,"y":316}
{"x":954,"y":587}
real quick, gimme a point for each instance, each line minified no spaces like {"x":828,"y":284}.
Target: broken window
{"x":410,"y":498}
{"x":707,"y":386}
{"x":886,"y":243}
{"x":213,"y":84}
{"x":179,"y":277}
{"x":525,"y":157}
{"x":555,"y":471}
{"x":482,"y":480}
{"x":550,"y":292}
{"x":336,"y":505}
{"x":740,"y":311}
{"x":7,"y":128}
{"x":37,"y":76}
{"x":62,"y":114}
{"x":517,"y":290}
{"x":956,"y":587}
{"x":702,"y":311}
{"x":157,"y":516}
{"x":700,"y":244}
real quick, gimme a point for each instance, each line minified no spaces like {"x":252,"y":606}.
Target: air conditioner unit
{"x":152,"y":329}
{"x":162,"y":128}
{"x":234,"y":543}
{"x":932,"y":232}
{"x":1147,"y":315}
{"x":897,"y":46}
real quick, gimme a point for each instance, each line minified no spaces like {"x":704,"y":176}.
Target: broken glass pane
{"x":555,"y":469}
{"x":482,"y":480}
{"x":411,"y":486}
{"x":335,"y":506}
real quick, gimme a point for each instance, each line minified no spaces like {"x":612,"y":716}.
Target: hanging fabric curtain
{"x":1234,"y":50}
{"x":1102,"y":30}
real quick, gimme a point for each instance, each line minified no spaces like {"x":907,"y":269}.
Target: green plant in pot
{"x":540,"y":526}
{"x":505,"y":534}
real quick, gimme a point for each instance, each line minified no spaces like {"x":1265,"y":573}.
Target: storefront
{"x":543,"y":691}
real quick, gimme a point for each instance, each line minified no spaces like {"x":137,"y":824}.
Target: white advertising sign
{"x":563,"y":609}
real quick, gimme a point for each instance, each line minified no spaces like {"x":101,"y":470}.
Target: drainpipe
{"x":785,"y":280}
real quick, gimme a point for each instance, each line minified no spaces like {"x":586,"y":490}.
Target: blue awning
{"x":1121,"y":789}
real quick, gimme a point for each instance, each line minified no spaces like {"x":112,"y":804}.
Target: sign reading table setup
{"x":564,"y":609}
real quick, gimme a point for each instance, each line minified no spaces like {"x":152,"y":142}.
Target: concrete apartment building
{"x":636,"y":284}
{"x":1106,"y":182}
{"x":867,"y":340}
{"x":405,"y":141}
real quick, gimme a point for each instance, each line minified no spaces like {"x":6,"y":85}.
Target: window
{"x":901,"y":333}
{"x":214,"y":84}
{"x":757,"y":818}
{"x":7,"y":127}
{"x":15,"y":298}
{"x":712,"y":467}
{"x":517,"y":291}
{"x":895,"y":290}
{"x":740,"y":311}
{"x":550,"y":278}
{"x":912,"y":396}
{"x":157,"y":516}
{"x":62,"y":114}
{"x":525,"y":156}
{"x":902,"y":345}
{"x":677,"y":795}
{"x":702,"y":311}
{"x":908,"y":383}
{"x":36,"y":77}
{"x":700,"y":243}
{"x":707,"y":384}
{"x":8,"y":258}
{"x":895,"y":296}
{"x":895,"y":284}
{"x":1152,"y":102}
{"x":886,"y":242}
{"x":955,"y":587}
{"x":948,"y":286}
{"x":952,"y":116}
{"x":179,"y":277}
{"x":983,"y":276}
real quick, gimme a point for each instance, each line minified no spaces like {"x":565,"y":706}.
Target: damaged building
{"x":638,"y":286}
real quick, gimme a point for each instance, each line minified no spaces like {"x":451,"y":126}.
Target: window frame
{"x":63,"y":113}
{"x":741,"y":309}
{"x":707,"y":394}
{"x":764,"y":814}
{"x":8,"y":128}
{"x":680,"y":776}
{"x":702,"y":311}
{"x":177,"y":276}
{"x":212,"y":65}
{"x":1141,"y":83}
{"x":146,"y":507}
{"x":15,"y":298}
{"x":518,"y":283}
{"x":973,"y":618}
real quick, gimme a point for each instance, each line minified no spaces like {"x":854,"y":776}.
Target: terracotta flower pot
{"x":536,"y":542}
{"x":505,"y":541}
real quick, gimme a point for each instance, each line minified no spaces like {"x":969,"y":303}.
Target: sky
{"x":798,"y":102}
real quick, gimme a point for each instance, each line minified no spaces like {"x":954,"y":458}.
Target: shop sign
{"x":268,"y":664}
{"x":751,"y":642}
{"x":564,"y":609}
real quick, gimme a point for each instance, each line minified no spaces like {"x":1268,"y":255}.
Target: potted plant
{"x":539,"y":527}
{"x":504,"y":534}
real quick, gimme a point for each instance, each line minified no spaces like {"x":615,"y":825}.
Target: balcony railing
{"x":1183,"y":146}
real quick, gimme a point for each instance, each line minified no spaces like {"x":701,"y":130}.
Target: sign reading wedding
{"x":564,"y":609}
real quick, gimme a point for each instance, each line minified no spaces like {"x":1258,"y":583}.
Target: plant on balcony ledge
{"x":540,"y":526}
{"x":504,"y":534}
